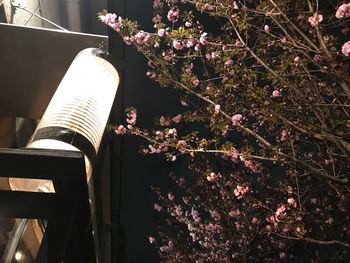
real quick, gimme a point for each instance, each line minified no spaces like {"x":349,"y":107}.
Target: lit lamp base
{"x":46,"y":186}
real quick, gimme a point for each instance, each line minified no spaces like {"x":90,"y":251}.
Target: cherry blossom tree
{"x":265,"y":126}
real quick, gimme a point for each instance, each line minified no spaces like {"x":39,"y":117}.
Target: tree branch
{"x":295,"y":27}
{"x":327,"y":242}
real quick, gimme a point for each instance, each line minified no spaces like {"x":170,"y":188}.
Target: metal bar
{"x":39,"y":16}
{"x":31,"y":17}
{"x":16,"y":235}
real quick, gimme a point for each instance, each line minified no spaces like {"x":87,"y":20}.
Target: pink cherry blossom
{"x":280,"y":213}
{"x":151,"y":240}
{"x":117,"y":26}
{"x":120,"y":129}
{"x":238,"y":43}
{"x":131,"y":117}
{"x":203,"y":38}
{"x":163,"y":121}
{"x":108,"y":18}
{"x":161,"y":32}
{"x":225,"y":48}
{"x":184,"y":103}
{"x":128,"y":40}
{"x":190,"y":226}
{"x":215,"y":215}
{"x":164,"y":249}
{"x":291,"y":201}
{"x":343,"y":11}
{"x":234,"y":4}
{"x":212,"y":177}
{"x":234,"y":213}
{"x":195,"y":82}
{"x":178,"y":211}
{"x":217,"y":109}
{"x":271,"y":219}
{"x":346,"y":49}
{"x":215,"y":55}
{"x":157,"y":4}
{"x":159,"y":134}
{"x":190,"y":42}
{"x":267,"y":29}
{"x":177,"y":118}
{"x":181,"y":181}
{"x":177,"y":44}
{"x":173,"y":15}
{"x":208,"y":56}
{"x":213,"y":227}
{"x":317,"y":58}
{"x":228,"y":63}
{"x":254,"y":167}
{"x":276,"y":94}
{"x":158,"y":207}
{"x":142,"y":37}
{"x":195,"y":215}
{"x":168,"y":56}
{"x":112,"y":21}
{"x":157,"y":19}
{"x":233,"y":153}
{"x":172,"y":132}
{"x":284,"y":135}
{"x":151,"y":75}
{"x":255,"y":221}
{"x":236,"y":118}
{"x":171,"y":196}
{"x":240,"y":191}
{"x":315,"y":19}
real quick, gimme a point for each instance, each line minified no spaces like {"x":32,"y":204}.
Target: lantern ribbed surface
{"x":84,"y":98}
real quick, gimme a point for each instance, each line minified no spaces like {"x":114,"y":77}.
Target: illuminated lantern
{"x":77,"y":113}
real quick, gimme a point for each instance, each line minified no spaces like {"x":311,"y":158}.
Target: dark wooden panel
{"x":33,"y":62}
{"x":17,"y":205}
{"x":56,"y":165}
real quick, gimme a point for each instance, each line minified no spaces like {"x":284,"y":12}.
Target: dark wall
{"x":139,"y":172}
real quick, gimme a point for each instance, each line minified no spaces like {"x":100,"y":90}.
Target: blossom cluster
{"x":264,"y":127}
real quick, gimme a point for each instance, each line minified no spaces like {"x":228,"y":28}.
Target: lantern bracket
{"x":68,"y":236}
